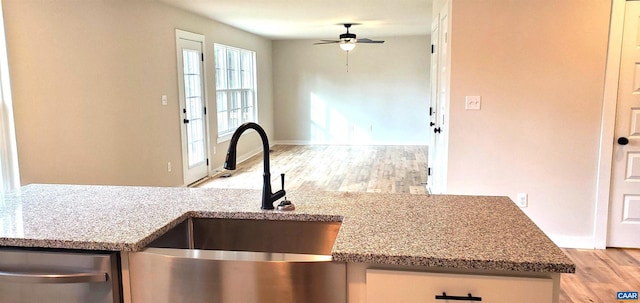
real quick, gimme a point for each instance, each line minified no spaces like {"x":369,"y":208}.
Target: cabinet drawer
{"x":384,"y":286}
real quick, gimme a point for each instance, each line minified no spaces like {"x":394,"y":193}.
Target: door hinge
{"x":205,"y":110}
{"x":429,"y":171}
{"x":207,"y":161}
{"x":433,"y":48}
{"x":202,"y":56}
{"x":430,"y":111}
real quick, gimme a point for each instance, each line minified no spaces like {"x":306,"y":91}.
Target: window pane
{"x":234,"y":118}
{"x":191,"y":86}
{"x":186,"y":62}
{"x":236,"y":109}
{"x":249,"y":108}
{"x":237,"y":100}
{"x":220,"y":56}
{"x":198,"y":136}
{"x":221,"y":71}
{"x":223,"y":121}
{"x":248,"y":68}
{"x":221,"y":101}
{"x":245,"y":71}
{"x":195,"y":108}
{"x":248,"y":114}
{"x":221,"y":78}
{"x":233,"y":66}
{"x":247,"y":98}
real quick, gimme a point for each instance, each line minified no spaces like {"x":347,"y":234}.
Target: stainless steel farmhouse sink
{"x":233,"y":260}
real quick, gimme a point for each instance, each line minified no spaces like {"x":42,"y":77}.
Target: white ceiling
{"x":316,"y":19}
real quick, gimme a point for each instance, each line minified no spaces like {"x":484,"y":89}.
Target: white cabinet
{"x":385,"y":286}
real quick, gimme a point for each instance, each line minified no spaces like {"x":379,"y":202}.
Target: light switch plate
{"x":472,"y":102}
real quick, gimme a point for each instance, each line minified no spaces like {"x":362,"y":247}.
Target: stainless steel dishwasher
{"x":28,"y":276}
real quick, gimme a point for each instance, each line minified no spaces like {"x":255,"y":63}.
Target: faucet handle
{"x":282,"y":179}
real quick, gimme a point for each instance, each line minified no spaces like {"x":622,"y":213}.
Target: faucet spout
{"x":268,"y":197}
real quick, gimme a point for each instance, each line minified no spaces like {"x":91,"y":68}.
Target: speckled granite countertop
{"x":464,"y":232}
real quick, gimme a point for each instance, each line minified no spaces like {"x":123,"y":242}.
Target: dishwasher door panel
{"x":28,"y":276}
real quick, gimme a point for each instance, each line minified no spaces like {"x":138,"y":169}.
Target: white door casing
{"x":193,"y":103}
{"x":624,"y":212}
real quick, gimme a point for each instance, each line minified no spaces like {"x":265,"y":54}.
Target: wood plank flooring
{"x":389,"y":169}
{"x":600,"y":274}
{"x":403,"y":169}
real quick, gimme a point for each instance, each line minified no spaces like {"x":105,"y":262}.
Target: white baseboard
{"x":302,"y":142}
{"x":573,"y":242}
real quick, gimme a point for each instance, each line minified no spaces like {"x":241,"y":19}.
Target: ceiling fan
{"x":348,"y":40}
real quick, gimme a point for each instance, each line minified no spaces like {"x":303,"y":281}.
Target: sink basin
{"x":233,"y":260}
{"x":274,"y":236}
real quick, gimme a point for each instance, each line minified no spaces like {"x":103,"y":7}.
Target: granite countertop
{"x":464,"y":232}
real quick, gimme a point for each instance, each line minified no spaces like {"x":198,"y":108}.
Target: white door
{"x":438,"y":180}
{"x":624,"y":212}
{"x":192,"y":106}
{"x":433,"y":106}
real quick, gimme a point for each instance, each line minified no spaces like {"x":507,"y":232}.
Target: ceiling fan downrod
{"x":347,"y":36}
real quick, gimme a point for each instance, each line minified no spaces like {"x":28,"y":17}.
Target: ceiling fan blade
{"x":366,"y":40}
{"x":327,"y":42}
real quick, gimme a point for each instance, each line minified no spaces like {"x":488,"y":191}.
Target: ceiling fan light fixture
{"x":347,"y":45}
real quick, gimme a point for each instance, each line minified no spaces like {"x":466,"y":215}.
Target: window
{"x":235,"y":87}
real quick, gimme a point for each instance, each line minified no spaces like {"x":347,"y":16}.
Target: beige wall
{"x":87,"y":79}
{"x":382,"y":99}
{"x":539,"y":67}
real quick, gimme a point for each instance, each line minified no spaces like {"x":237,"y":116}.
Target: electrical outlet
{"x":169,"y":166}
{"x":521,"y":200}
{"x":472,"y":102}
{"x":164,"y":99}
{"x":215,"y":150}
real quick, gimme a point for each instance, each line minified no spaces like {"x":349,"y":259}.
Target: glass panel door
{"x":194,"y":127}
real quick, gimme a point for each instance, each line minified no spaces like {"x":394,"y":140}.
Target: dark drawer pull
{"x":469,"y":297}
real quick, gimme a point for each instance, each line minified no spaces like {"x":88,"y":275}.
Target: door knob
{"x":431,"y":124}
{"x":185,"y":121}
{"x":436,"y":130}
{"x":623,"y":141}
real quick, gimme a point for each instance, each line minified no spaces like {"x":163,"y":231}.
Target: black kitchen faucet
{"x":230,"y":163}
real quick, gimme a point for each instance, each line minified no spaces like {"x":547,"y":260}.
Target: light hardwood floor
{"x":600,"y":274}
{"x":403,"y":169}
{"x":389,"y":169}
